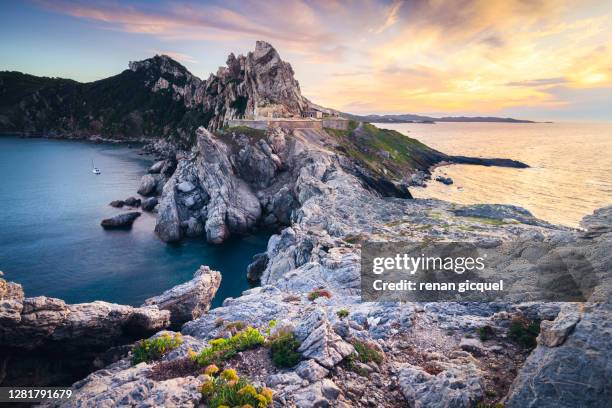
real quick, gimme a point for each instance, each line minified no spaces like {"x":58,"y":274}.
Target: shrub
{"x":485,"y":332}
{"x":317,"y":293}
{"x":367,"y":353}
{"x":524,"y":332}
{"x":342,"y":313}
{"x":152,"y":349}
{"x":229,"y":390}
{"x":283,"y":349}
{"x":224,"y":348}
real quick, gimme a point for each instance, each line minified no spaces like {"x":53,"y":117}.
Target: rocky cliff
{"x":153,"y":99}
{"x":425,"y":354}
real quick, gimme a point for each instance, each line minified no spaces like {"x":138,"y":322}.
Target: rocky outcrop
{"x":149,"y":204}
{"x":28,"y":323}
{"x":121,"y":221}
{"x":457,"y":386}
{"x":189,"y":300}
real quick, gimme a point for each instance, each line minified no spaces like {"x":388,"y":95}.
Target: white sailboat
{"x":94,"y":169}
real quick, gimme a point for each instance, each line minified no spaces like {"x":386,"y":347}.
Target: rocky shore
{"x":327,"y":192}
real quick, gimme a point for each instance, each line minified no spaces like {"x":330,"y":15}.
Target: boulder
{"x":311,"y":370}
{"x":191,"y":299}
{"x":149,"y":204}
{"x":117,"y":203}
{"x":444,"y":180}
{"x":121,"y":221}
{"x":132,"y":202}
{"x":148,"y":185}
{"x":553,"y":333}
{"x":257,"y":267}
{"x":157,"y":167}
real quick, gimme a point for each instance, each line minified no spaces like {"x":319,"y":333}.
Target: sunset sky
{"x":523,"y":58}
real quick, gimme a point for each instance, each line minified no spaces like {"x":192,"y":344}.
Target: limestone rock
{"x":148,"y":184}
{"x":310,"y":370}
{"x":121,"y":221}
{"x":149,"y":204}
{"x":458,"y":386}
{"x":191,"y":299}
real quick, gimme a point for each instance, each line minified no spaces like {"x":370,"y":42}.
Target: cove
{"x":51,"y":242}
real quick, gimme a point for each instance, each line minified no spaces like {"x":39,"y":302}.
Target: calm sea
{"x":570,"y":174}
{"x":51,"y":242}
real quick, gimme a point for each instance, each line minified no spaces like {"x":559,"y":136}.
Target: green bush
{"x":224,"y":348}
{"x":485,"y":332}
{"x":152,"y":349}
{"x":342,"y":313}
{"x":524,"y":332}
{"x":367,"y":353}
{"x":283,"y":349}
{"x":229,"y":390}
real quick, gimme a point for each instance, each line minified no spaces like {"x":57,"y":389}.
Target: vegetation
{"x":229,"y":390}
{"x":283,"y":348}
{"x":486,"y":220}
{"x":152,"y":349}
{"x":225,"y":348}
{"x":485,"y":332}
{"x":524,"y":332}
{"x":342,"y":313}
{"x":381,"y":150}
{"x":365,"y":353}
{"x":317,"y":293}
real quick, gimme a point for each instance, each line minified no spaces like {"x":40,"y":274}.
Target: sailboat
{"x":95,"y":170}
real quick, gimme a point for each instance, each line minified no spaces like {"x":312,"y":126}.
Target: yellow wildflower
{"x":267,"y":393}
{"x":191,"y":354}
{"x":248,"y":389}
{"x":211,"y":369}
{"x":207,"y":388}
{"x":229,"y":374}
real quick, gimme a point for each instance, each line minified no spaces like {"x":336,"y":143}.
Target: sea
{"x":570,"y":172}
{"x":51,"y":241}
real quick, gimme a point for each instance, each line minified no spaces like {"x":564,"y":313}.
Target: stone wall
{"x":278,"y":123}
{"x":336,"y":123}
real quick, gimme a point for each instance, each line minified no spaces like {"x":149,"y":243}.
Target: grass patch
{"x":229,"y":390}
{"x":488,"y":221}
{"x":364,"y":353}
{"x":524,"y":332}
{"x":342,"y":313}
{"x":283,"y":349}
{"x":317,"y":293}
{"x":364,"y":144}
{"x":225,"y":348}
{"x":153,"y":349}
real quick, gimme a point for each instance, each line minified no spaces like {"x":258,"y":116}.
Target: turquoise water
{"x":51,"y":242}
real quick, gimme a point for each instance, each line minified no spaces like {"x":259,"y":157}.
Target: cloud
{"x":177,"y":56}
{"x":392,"y":17}
{"x":392,"y":55}
{"x":538,"y":82}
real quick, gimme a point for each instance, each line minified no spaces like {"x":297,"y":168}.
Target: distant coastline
{"x":411,"y":118}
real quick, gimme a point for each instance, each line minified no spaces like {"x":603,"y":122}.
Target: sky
{"x":531,"y":59}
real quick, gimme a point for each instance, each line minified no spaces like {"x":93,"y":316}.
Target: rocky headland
{"x":326,"y":192}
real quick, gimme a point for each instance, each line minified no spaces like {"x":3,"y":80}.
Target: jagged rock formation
{"x":427,"y":361}
{"x":154,"y":98}
{"x":331,"y":191}
{"x":36,"y":329}
{"x":32,"y":322}
{"x":189,"y":300}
